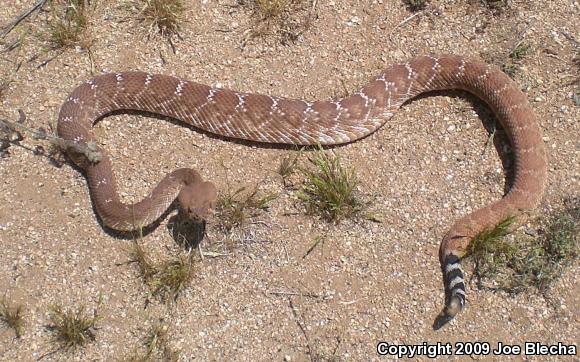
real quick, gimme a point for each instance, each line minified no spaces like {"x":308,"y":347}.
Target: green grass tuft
{"x":172,"y":277}
{"x":488,"y":248}
{"x":561,"y":237}
{"x":12,"y":317}
{"x":519,"y":51}
{"x":509,"y":69}
{"x":73,"y":328}
{"x":329,"y":188}
{"x":544,"y":262}
{"x":512,"y":64}
{"x":526,"y":263}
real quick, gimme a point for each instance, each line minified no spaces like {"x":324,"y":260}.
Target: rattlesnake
{"x":278,"y":120}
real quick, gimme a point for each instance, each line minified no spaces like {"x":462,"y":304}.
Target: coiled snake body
{"x":268,"y":119}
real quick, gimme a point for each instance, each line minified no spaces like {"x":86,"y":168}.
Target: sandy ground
{"x":264,"y":300}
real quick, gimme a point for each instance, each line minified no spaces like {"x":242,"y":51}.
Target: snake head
{"x":198,"y":200}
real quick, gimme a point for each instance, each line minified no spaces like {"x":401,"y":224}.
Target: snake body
{"x":278,"y":120}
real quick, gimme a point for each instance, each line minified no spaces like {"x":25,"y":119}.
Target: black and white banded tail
{"x":454,"y":290}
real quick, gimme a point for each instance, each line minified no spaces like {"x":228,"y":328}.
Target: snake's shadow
{"x":490,"y":123}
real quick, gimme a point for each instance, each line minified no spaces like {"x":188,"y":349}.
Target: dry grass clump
{"x":69,"y":23}
{"x":330,"y":189}
{"x":276,"y":10}
{"x":495,"y":5}
{"x":273,"y":8}
{"x":164,"y":16}
{"x":285,"y":20}
{"x":416,"y":5}
{"x":12,"y":317}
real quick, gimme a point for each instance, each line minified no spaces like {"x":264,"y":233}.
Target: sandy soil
{"x":264,"y":300}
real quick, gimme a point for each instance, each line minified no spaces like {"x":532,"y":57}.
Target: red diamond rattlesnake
{"x":286,"y":121}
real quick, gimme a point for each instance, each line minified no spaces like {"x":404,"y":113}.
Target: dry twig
{"x":8,"y":28}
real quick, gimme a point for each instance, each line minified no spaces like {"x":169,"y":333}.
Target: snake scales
{"x":268,"y":119}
